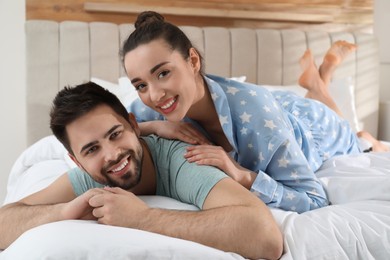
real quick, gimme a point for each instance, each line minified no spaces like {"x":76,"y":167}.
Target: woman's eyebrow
{"x":152,"y":70}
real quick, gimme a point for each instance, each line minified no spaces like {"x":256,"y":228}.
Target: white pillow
{"x":38,"y":166}
{"x":124,"y":90}
{"x":239,"y":79}
{"x":343,"y":92}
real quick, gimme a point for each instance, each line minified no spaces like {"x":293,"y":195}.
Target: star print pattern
{"x":283,"y":147}
{"x":245,"y":118}
{"x":269,"y":124}
{"x":232,"y":90}
{"x":214,"y":96}
{"x":283,"y":162}
{"x":244,"y":131}
{"x":223,"y":120}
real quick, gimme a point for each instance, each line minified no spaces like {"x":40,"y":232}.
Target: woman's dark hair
{"x":152,"y":26}
{"x":73,"y":102}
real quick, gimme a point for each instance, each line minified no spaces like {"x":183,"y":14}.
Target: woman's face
{"x":165,"y":81}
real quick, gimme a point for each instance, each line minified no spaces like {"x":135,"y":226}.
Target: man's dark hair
{"x":73,"y":102}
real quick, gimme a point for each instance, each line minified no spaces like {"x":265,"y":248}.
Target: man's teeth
{"x":169,"y":104}
{"x":123,"y":165}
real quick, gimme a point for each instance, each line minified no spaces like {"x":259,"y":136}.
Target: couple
{"x":104,"y":141}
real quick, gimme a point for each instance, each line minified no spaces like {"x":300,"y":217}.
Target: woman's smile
{"x":169,"y":105}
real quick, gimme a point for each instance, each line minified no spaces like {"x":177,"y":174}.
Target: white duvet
{"x":355,"y":226}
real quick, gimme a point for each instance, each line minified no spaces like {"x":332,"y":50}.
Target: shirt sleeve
{"x":291,"y":184}
{"x":81,"y":181}
{"x":266,"y":144}
{"x":187,"y":182}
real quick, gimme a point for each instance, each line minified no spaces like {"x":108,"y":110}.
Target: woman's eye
{"x":163,"y":74}
{"x":140,"y":87}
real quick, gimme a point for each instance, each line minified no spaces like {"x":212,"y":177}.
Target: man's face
{"x":106,"y":146}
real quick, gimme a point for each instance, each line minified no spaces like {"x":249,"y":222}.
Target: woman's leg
{"x":316,"y":81}
{"x":334,"y":57}
{"x":311,"y":80}
{"x":377,"y":146}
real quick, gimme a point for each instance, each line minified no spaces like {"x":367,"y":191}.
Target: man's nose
{"x":112,"y":152}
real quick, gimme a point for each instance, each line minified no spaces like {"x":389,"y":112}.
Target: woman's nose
{"x":156,"y":93}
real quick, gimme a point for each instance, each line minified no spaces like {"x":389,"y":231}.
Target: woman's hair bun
{"x":148,"y":17}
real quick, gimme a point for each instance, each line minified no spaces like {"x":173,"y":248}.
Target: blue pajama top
{"x":279,"y":135}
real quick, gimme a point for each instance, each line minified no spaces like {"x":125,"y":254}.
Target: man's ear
{"x":75,"y":160}
{"x":134,"y":124}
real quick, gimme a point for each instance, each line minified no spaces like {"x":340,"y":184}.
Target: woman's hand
{"x":182,"y":131}
{"x":217,"y":157}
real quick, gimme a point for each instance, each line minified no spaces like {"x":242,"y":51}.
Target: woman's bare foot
{"x":334,"y":56}
{"x":377,"y":146}
{"x":311,"y":80}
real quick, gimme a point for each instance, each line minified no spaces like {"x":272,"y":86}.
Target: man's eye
{"x":163,"y":74}
{"x":92,"y":150}
{"x":115,"y":134}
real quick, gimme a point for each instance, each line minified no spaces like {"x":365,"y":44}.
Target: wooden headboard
{"x":71,"y":52}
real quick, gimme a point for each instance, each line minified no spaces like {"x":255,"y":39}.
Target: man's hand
{"x":79,"y":208}
{"x":117,"y":207}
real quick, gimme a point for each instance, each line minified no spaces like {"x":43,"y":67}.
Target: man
{"x":104,"y":142}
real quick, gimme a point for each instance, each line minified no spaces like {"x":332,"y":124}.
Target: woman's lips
{"x":169,"y":105}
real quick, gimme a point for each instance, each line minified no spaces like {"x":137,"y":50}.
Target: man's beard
{"x":132,"y":177}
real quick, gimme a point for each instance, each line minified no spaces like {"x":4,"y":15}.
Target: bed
{"x":355,"y":226}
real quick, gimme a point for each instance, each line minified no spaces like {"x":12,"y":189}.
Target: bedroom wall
{"x":331,"y":15}
{"x":381,"y":24}
{"x":12,"y":87}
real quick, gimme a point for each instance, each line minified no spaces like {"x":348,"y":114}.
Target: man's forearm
{"x":16,"y":218}
{"x":238,"y":229}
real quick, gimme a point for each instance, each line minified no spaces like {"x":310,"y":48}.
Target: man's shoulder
{"x":81,"y":181}
{"x":154,"y":141}
{"x":164,"y":150}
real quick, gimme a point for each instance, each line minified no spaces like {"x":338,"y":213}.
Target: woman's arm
{"x":183,"y":131}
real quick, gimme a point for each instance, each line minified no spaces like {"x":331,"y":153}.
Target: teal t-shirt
{"x":176,"y":177}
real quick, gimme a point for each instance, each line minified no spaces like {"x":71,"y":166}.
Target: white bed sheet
{"x":355,"y":226}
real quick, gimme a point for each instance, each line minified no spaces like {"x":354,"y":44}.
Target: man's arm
{"x":232,"y":220}
{"x":54,"y":203}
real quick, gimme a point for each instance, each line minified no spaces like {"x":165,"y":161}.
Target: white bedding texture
{"x":355,"y":226}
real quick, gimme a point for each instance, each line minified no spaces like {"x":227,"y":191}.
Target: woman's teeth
{"x":169,"y":104}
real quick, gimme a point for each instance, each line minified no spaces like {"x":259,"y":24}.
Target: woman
{"x":271,"y":143}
